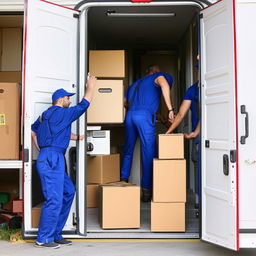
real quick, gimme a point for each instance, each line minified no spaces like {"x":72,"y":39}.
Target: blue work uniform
{"x":192,"y":94}
{"x":140,"y":121}
{"x":53,"y":130}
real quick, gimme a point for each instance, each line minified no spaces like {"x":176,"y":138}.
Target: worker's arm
{"x":34,"y":138}
{"x":75,"y":137}
{"x":165,"y":87}
{"x":193,"y":134}
{"x":89,"y":88}
{"x":73,"y":113}
{"x":185,"y":105}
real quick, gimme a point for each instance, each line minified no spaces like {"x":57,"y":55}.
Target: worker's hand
{"x":171,"y":117}
{"x":91,"y":82}
{"x":81,"y":137}
{"x":190,"y":136}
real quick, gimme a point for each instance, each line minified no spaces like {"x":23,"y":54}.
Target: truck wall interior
{"x":172,"y":43}
{"x":10,"y":72}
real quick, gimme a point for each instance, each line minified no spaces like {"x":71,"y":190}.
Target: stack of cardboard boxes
{"x":107,"y":103}
{"x":119,"y":203}
{"x":169,"y":186}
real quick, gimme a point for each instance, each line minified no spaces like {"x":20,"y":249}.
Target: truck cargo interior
{"x":170,"y":42}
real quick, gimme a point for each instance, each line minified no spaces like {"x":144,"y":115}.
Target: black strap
{"x":134,"y":92}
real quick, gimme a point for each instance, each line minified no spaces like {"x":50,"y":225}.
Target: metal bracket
{"x":26,"y":155}
{"x":75,"y":15}
{"x":207,"y":143}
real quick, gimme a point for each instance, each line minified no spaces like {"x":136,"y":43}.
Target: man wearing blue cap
{"x":52,"y":131}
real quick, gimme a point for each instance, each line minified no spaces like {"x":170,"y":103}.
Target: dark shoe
{"x":63,"y":242}
{"x":146,"y":195}
{"x":124,"y":180}
{"x":47,"y":245}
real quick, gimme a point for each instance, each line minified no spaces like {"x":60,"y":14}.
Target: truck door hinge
{"x":75,"y":15}
{"x":232,"y":156}
{"x":207,"y":143}
{"x":201,"y":16}
{"x":26,"y":155}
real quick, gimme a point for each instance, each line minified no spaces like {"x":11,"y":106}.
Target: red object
{"x":141,"y":1}
{"x":17,"y":206}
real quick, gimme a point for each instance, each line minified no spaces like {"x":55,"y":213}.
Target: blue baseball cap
{"x":60,"y":93}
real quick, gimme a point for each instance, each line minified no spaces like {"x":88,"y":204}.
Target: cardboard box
{"x":170,"y":146}
{"x":10,"y":77}
{"x":36,"y":213}
{"x":119,"y":206}
{"x":107,"y":104}
{"x":169,"y":180}
{"x":103,"y":169}
{"x":107,"y":63}
{"x":9,"y":121}
{"x":167,"y":217}
{"x":17,"y":206}
{"x":92,"y":195}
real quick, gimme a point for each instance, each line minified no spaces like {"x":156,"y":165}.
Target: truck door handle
{"x":243,"y":138}
{"x":226,"y":164}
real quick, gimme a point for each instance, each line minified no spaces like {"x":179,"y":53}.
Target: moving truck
{"x":55,"y":54}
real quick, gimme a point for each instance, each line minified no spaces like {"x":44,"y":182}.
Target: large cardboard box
{"x":107,"y":63}
{"x":17,"y":206}
{"x":103,"y":168}
{"x":35,"y":216}
{"x":167,"y":217}
{"x":169,"y":180}
{"x":107,"y":104}
{"x":9,"y":121}
{"x":119,"y":206}
{"x":10,"y":77}
{"x":92,"y":195}
{"x":170,"y":146}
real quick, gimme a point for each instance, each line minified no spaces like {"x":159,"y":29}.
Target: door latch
{"x":225,"y":165}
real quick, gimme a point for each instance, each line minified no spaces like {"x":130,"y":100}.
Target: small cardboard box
{"x":107,"y":63}
{"x":170,"y":146}
{"x":107,"y":104}
{"x":169,"y":180}
{"x":92,"y":195}
{"x":17,"y":206}
{"x":9,"y":121}
{"x":103,"y":168}
{"x":167,"y":217}
{"x":36,"y":213}
{"x":119,"y":206}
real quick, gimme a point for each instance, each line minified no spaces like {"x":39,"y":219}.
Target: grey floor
{"x":120,"y":248}
{"x":192,"y":224}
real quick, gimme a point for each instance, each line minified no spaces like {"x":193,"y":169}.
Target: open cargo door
{"x":49,"y":63}
{"x":219,"y":126}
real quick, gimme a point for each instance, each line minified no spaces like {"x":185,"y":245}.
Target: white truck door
{"x":49,"y":63}
{"x":219,"y":125}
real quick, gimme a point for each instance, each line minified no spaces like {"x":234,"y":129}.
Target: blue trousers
{"x":140,"y":123}
{"x":58,"y":191}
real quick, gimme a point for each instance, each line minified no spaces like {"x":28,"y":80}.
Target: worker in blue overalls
{"x":142,"y":100}
{"x":53,"y":133}
{"x":191,"y":101}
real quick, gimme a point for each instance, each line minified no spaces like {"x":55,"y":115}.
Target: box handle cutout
{"x":104,"y":90}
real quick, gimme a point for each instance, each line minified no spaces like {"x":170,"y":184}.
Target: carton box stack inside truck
{"x":111,"y":206}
